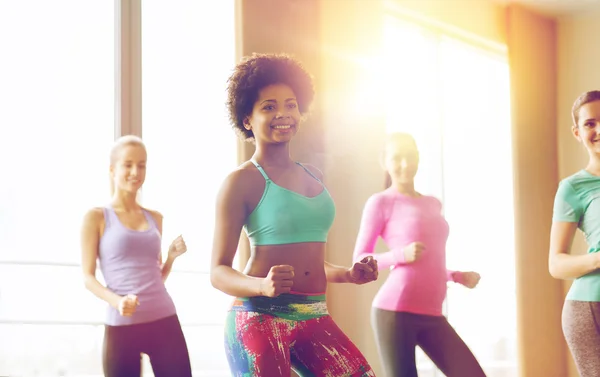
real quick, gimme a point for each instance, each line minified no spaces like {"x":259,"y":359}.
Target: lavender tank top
{"x":129,"y":263}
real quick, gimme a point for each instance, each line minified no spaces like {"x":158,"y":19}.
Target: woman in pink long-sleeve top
{"x":407,"y":310}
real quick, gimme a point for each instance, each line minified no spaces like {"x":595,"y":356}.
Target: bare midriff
{"x":307,"y":259}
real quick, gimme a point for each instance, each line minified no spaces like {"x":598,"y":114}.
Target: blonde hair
{"x":120,"y":143}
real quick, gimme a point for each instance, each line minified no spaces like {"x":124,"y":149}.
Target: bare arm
{"x":90,"y":237}
{"x":561,"y":264}
{"x":337,"y":274}
{"x":165,"y":268}
{"x":230,"y":216}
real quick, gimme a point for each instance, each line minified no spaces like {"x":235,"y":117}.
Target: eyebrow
{"x":275,"y":101}
{"x":590,"y":119}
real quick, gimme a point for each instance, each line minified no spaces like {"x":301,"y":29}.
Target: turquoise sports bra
{"x":283,"y":216}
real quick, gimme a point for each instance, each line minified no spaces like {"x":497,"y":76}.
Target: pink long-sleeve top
{"x":418,"y":287}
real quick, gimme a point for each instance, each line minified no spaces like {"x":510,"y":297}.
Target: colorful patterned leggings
{"x":267,"y":337}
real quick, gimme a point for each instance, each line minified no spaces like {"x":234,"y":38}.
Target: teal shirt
{"x":578,"y":201}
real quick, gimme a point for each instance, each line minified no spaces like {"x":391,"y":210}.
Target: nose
{"x":282,"y":112}
{"x":133,"y":172}
{"x":404,"y":163}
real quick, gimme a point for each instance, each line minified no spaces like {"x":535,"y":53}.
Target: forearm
{"x":166,"y":267}
{"x":235,"y":283}
{"x":566,"y":266}
{"x":93,"y":285}
{"x":337,"y":274}
{"x":384,"y":260}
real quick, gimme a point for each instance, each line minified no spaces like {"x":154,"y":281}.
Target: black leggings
{"x":161,"y":340}
{"x":399,"y":333}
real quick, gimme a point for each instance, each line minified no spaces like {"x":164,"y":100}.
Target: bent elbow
{"x":214,"y":278}
{"x":554,"y":270}
{"x":87,"y":281}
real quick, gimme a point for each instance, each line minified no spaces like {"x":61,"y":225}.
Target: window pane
{"x":207,"y":350}
{"x":196,"y":300}
{"x":56,"y":123}
{"x":411,"y":59}
{"x":478,"y":170}
{"x":72,"y":350}
{"x":50,"y":350}
{"x":451,"y":96}
{"x":188,"y":53}
{"x":59,"y":291}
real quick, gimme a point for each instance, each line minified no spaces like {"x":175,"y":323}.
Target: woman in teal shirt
{"x":577,"y":205}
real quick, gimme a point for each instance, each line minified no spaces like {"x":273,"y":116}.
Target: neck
{"x":125,"y":200}
{"x":406,"y":188}
{"x":593,"y":165}
{"x":273,"y":154}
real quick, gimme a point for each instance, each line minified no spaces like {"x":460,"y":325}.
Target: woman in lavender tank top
{"x":125,"y":239}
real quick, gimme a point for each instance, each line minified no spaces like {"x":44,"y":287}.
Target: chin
{"x":595,"y":148}
{"x":282,"y":140}
{"x":132,"y":189}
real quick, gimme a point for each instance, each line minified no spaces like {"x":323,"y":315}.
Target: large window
{"x":56,"y":126}
{"x":454,"y":98}
{"x":57,"y":122}
{"x":191,"y":148}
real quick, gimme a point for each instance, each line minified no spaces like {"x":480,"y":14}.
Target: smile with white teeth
{"x":283,"y":126}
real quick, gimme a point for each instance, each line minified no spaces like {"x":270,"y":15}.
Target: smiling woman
{"x":576,"y":207}
{"x":279,"y":320}
{"x":447,"y":130}
{"x":126,"y":241}
{"x":268,"y":70}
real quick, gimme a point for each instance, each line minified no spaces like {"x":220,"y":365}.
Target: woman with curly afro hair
{"x":279,"y":319}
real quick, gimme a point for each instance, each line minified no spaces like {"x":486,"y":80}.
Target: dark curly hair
{"x":258,"y":71}
{"x":585,"y":98}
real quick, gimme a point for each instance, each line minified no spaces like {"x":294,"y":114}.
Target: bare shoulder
{"x":94,"y":216}
{"x":246,"y":175}
{"x":314,"y":170}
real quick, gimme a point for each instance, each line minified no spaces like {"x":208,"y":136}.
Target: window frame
{"x":437,"y":32}
{"x":127,"y":121}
